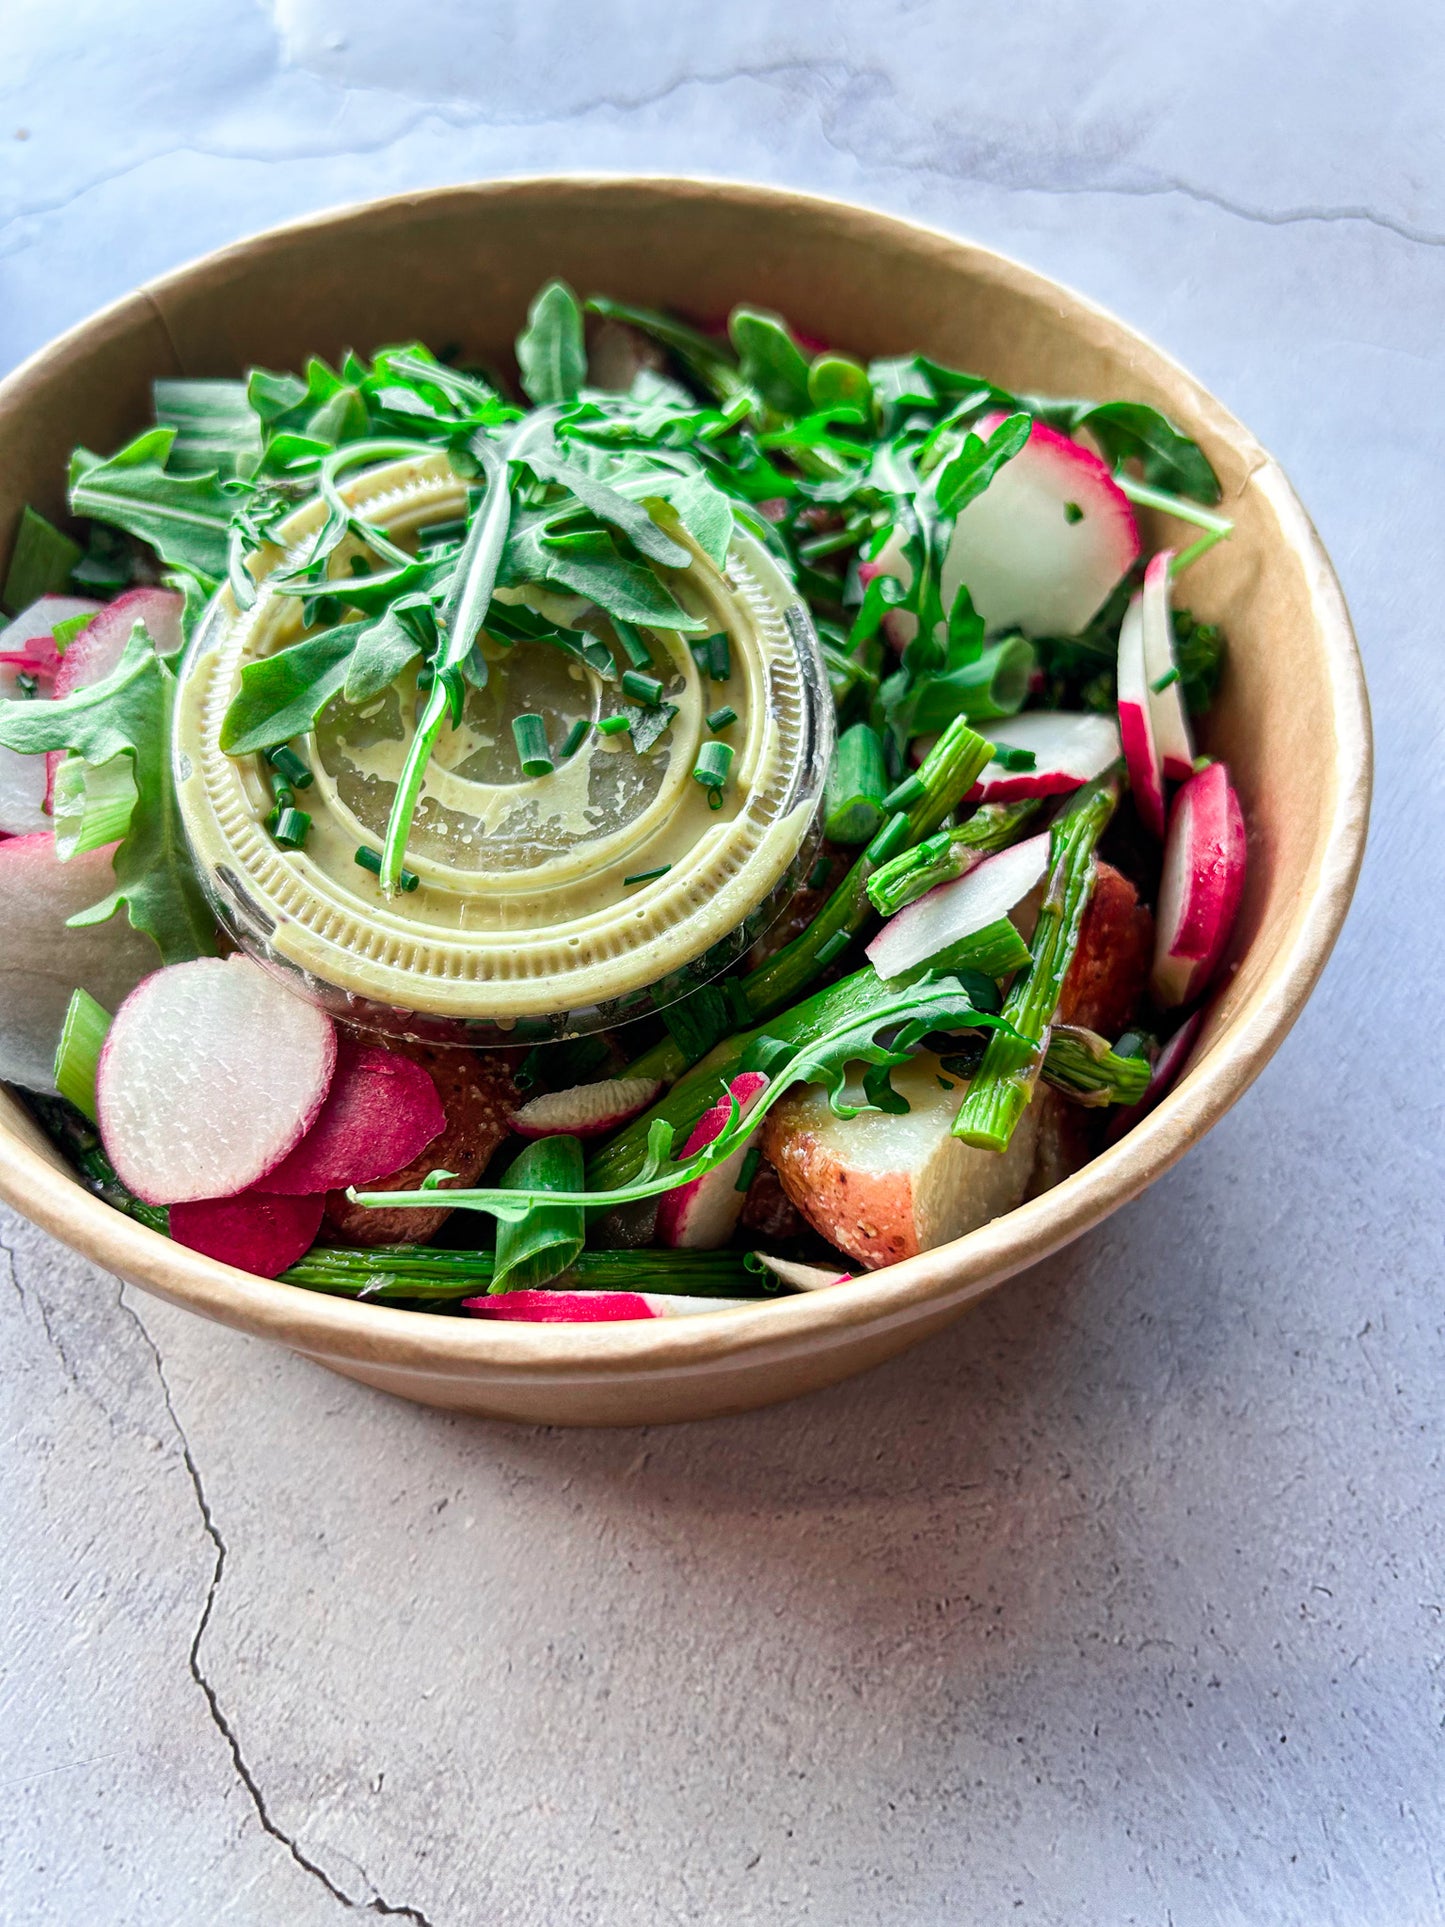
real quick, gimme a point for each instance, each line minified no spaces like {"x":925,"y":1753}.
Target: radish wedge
{"x":1166,"y":706}
{"x":255,"y":1232}
{"x":803,"y":1277}
{"x":42,"y":961}
{"x":953,"y":911}
{"x":1068,"y":748}
{"x":593,"y":1307}
{"x":586,"y":1110}
{"x":381,"y":1111}
{"x":100,"y":646}
{"x":1046,"y":542}
{"x":703,"y":1215}
{"x":1136,"y":723}
{"x":1200,"y":889}
{"x":213,"y":1071}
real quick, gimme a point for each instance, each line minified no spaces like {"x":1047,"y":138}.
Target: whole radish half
{"x":1047,"y":541}
{"x":211,"y":1073}
{"x":1136,"y":723}
{"x":42,"y":961}
{"x":953,"y":911}
{"x":586,"y":1110}
{"x":1068,"y":748}
{"x":1167,"y":713}
{"x":593,"y":1307}
{"x":703,"y":1215}
{"x":1199,"y":892}
{"x":381,"y":1111}
{"x":255,"y":1232}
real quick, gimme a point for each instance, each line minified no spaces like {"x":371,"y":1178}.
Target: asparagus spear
{"x":422,"y":1275}
{"x":948,"y":854}
{"x":998,"y":1096}
{"x":1081,"y":1064}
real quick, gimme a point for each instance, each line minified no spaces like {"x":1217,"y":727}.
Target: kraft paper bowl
{"x":460,"y":265}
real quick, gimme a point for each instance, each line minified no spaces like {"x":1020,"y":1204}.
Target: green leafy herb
{"x":550,"y":351}
{"x":185,"y":518}
{"x":40,"y":563}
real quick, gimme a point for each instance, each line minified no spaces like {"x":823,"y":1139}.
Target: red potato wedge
{"x":593,"y":1307}
{"x":586,"y":1110}
{"x":703,"y":1215}
{"x":42,"y":962}
{"x":1202,"y":883}
{"x":1047,"y":541}
{"x":478,"y":1098}
{"x":960,"y":909}
{"x":211,"y":1073}
{"x":1136,"y":723}
{"x":1068,"y":747}
{"x":256,"y":1231}
{"x":1109,"y":975}
{"x":381,"y":1112}
{"x":1167,"y":713}
{"x":885,"y":1186}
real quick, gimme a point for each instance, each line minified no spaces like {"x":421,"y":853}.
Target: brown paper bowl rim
{"x":938,"y":1280}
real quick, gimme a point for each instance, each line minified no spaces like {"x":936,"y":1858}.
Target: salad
{"x":872,"y":653}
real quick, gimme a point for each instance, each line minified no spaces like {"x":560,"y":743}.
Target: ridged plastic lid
{"x":528,"y":918}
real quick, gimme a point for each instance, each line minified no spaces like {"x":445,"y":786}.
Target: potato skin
{"x":870,"y":1218}
{"x":1106,"y":982}
{"x":478,"y":1096}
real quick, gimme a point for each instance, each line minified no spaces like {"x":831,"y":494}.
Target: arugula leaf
{"x":588,"y":562}
{"x":708,"y":360}
{"x":40,"y":562}
{"x":609,"y":506}
{"x":282,"y":695}
{"x":129,"y":715}
{"x":385,"y":647}
{"x":1132,"y":429}
{"x":217,"y":430}
{"x":551,"y":353}
{"x":838,"y":381}
{"x":185,"y":518}
{"x":769,"y":360}
{"x":965,"y":476}
{"x":704,"y":511}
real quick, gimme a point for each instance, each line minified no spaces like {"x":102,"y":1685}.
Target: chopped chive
{"x":290,"y":766}
{"x":911,"y":790}
{"x":722,"y":718}
{"x":633,"y":647}
{"x":715,"y":799}
{"x":1072,"y":512}
{"x":64,"y":633}
{"x":819,"y":873}
{"x":647,"y":876}
{"x":27,"y":685}
{"x":289,"y":827}
{"x":644,"y":689}
{"x":612,"y":725}
{"x":449,"y":531}
{"x":77,"y":1057}
{"x":889,"y":840}
{"x":833,"y":946}
{"x":529,"y":733}
{"x":1161,"y":683}
{"x":714,"y":760}
{"x":282,"y":794}
{"x":720,"y":655}
{"x":576,"y":736}
{"x":371,"y":860}
{"x":749,"y":1168}
{"x":1017,"y":759}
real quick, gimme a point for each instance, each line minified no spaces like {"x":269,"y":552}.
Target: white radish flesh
{"x":1200,"y":889}
{"x":1166,"y":706}
{"x":101,"y":644}
{"x":586,"y":1110}
{"x":1136,"y":723}
{"x":703,"y":1215}
{"x":594,"y":1307}
{"x":42,"y":962}
{"x":953,"y":911}
{"x":803,"y":1277}
{"x":1068,"y":747}
{"x":212,"y":1072}
{"x":32,"y":631}
{"x":1047,"y":541}
{"x":24,"y":780}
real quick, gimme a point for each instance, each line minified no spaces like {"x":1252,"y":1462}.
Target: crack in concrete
{"x":376,"y":1905}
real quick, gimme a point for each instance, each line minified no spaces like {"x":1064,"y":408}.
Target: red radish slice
{"x":1200,"y":889}
{"x":593,"y":1307}
{"x":899,"y":625}
{"x":586,"y":1110}
{"x":953,"y":911}
{"x":1166,"y":706}
{"x":254,"y":1232}
{"x":29,"y":639}
{"x":1168,"y":1068}
{"x":41,"y":961}
{"x":1069,"y":748}
{"x":100,"y":646}
{"x":804,"y":1277}
{"x":381,"y":1112}
{"x":1046,"y":542}
{"x":212,"y":1072}
{"x":24,"y":780}
{"x":703,"y":1215}
{"x":1136,"y":723}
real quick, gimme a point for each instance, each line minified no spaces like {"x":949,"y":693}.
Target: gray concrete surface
{"x":1123,"y":1603}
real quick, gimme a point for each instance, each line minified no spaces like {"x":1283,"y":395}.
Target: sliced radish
{"x":381,"y":1111}
{"x":1168,"y":1068}
{"x":1069,"y":748}
{"x":586,"y":1110}
{"x":24,"y":780}
{"x":703,"y":1215}
{"x":42,"y":962}
{"x":29,"y":643}
{"x":211,"y":1073}
{"x":1166,"y":706}
{"x":593,"y":1307}
{"x":1046,"y":542}
{"x":953,"y":911}
{"x":899,"y":625}
{"x":803,"y":1277}
{"x":100,"y":646}
{"x":255,"y":1232}
{"x":1136,"y":722}
{"x":1200,"y":889}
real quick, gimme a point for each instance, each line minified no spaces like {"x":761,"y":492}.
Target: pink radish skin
{"x":1200,"y":889}
{"x":212,"y":1072}
{"x":27,"y":648}
{"x":959,"y":909}
{"x":24,"y":780}
{"x":586,"y":1110}
{"x":28,"y":642}
{"x":1166,"y":706}
{"x":1168,"y":1068}
{"x":703,"y":1215}
{"x":1136,"y":723}
{"x":1027,"y":565}
{"x":42,"y":962}
{"x":593,"y":1307}
{"x":804,"y":1277}
{"x":255,"y":1232}
{"x":1069,"y":749}
{"x":381,"y":1111}
{"x":100,"y":646}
